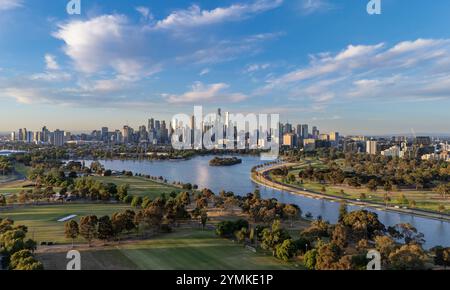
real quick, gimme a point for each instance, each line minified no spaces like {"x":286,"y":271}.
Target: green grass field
{"x":140,"y":186}
{"x":42,"y":221}
{"x":191,"y":249}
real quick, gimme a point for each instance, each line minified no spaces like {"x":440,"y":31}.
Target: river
{"x":237,"y":179}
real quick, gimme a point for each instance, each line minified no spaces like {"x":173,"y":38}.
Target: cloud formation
{"x":409,"y":70}
{"x":194,"y":16}
{"x":201,"y":93}
{"x":10,"y":4}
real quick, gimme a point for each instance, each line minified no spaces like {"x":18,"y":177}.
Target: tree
{"x":318,"y":229}
{"x":2,"y":200}
{"x":292,"y":212}
{"x":204,"y":218}
{"x":122,"y":191}
{"x":340,"y":236}
{"x":202,"y":202}
{"x":184,"y":198}
{"x":24,"y":260}
{"x":372,"y":185}
{"x":385,"y":245}
{"x":137,"y":201}
{"x":285,"y":250}
{"x":387,"y":186}
{"x":274,"y":236}
{"x":443,"y":190}
{"x":408,"y":257}
{"x":153,"y":216}
{"x":241,"y":235}
{"x":409,"y":233}
{"x":105,"y":228}
{"x":363,"y":224}
{"x":310,"y":258}
{"x":71,"y":230}
{"x":88,"y":228}
{"x":342,"y":211}
{"x":328,"y":256}
{"x":441,"y":256}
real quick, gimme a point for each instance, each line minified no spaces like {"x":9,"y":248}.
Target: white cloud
{"x":107,"y":42}
{"x":10,"y":4}
{"x":256,"y":67}
{"x":228,"y":50}
{"x":204,"y":71}
{"x":201,"y":93}
{"x":409,"y":70}
{"x":50,"y":62}
{"x":145,"y":13}
{"x":313,"y":6}
{"x":195,"y":16}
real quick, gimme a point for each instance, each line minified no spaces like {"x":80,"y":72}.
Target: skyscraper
{"x":305,"y":131}
{"x":315,"y":132}
{"x":371,"y":147}
{"x":58,"y":138}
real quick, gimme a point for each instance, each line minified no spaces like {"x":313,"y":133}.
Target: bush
{"x":228,"y":228}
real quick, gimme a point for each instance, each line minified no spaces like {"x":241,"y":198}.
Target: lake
{"x":237,"y":179}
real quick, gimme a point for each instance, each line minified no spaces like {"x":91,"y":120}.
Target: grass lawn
{"x":140,"y":186}
{"x":42,"y":220}
{"x":187,"y":249}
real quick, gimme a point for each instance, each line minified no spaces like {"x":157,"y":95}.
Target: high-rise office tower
{"x":45,"y":135}
{"x":372,"y":147}
{"x":305,"y":131}
{"x":151,"y":124}
{"x":334,"y":136}
{"x":58,"y":138}
{"x":20,"y":135}
{"x":105,"y":134}
{"x":315,"y":132}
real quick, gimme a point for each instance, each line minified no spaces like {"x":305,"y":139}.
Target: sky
{"x":322,"y":62}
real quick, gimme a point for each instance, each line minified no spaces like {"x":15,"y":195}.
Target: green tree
{"x":286,"y":250}
{"x":408,"y":257}
{"x":310,"y":258}
{"x":241,"y":235}
{"x":88,"y":227}
{"x":71,"y":230}
{"x":137,"y":201}
{"x":204,"y":218}
{"x":343,"y":211}
{"x":105,"y":228}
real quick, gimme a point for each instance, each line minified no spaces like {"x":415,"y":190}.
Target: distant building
{"x":315,"y":133}
{"x":305,"y":131}
{"x":309,"y":144}
{"x":334,"y":136}
{"x":324,"y":137}
{"x":58,"y":138}
{"x":422,"y":141}
{"x":13,"y":136}
{"x":394,"y":151}
{"x":290,"y":140}
{"x":372,"y":147}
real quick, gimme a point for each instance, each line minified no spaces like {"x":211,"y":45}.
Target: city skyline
{"x":326,"y":63}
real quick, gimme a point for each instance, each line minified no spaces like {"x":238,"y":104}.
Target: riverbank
{"x":263,"y":178}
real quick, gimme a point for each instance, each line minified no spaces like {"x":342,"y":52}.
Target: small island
{"x":217,"y":161}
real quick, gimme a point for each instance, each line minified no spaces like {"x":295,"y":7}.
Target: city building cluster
{"x":225,"y":132}
{"x":157,"y":133}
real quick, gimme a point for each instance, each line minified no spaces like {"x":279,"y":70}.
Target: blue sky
{"x":326,"y":63}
